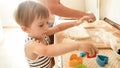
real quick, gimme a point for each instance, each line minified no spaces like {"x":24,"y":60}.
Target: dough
{"x":77,"y":33}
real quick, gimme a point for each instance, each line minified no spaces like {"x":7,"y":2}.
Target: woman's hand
{"x":89,"y":18}
{"x":81,"y":20}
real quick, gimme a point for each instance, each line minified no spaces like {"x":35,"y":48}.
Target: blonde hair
{"x":28,"y":10}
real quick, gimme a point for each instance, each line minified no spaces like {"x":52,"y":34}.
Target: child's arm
{"x":62,"y":48}
{"x":65,"y":25}
{"x":60,"y":27}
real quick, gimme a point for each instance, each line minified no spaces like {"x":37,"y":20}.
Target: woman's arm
{"x":59,"y":9}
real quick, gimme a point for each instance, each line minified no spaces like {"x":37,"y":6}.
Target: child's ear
{"x":24,"y":28}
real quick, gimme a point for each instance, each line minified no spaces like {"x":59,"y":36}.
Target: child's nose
{"x":46,"y":28}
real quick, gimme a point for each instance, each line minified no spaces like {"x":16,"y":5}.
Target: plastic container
{"x":102,"y":60}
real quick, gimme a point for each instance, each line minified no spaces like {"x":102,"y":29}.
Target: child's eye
{"x":40,"y":25}
{"x":47,"y":22}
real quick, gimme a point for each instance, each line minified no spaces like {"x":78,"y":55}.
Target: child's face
{"x":38,"y":27}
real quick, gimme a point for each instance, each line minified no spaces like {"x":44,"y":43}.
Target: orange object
{"x":79,"y":59}
{"x":75,"y":60}
{"x":73,"y":56}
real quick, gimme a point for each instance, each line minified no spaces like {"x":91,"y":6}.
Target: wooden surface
{"x":113,"y":62}
{"x":98,"y":32}
{"x":97,"y":29}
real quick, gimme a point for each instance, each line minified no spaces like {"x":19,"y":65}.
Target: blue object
{"x":102,"y":60}
{"x":82,"y":54}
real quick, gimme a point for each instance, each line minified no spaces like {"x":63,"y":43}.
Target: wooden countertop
{"x":100,"y":29}
{"x":98,"y":32}
{"x":113,"y":62}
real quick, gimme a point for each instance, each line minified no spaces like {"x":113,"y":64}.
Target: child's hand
{"x":89,"y":48}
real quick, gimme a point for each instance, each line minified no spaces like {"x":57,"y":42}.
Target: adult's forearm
{"x":61,"y":10}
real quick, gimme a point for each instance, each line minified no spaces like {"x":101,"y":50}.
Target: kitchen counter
{"x":113,"y":62}
{"x":101,"y":33}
